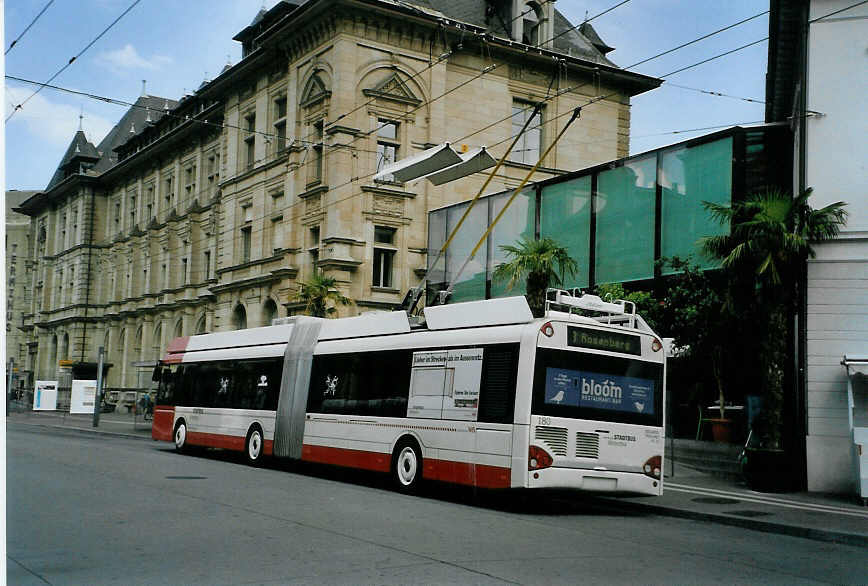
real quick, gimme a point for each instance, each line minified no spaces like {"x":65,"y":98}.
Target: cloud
{"x":128,"y":58}
{"x":52,"y":123}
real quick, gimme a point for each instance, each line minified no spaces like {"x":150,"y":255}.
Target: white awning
{"x":425,"y":163}
{"x":855,"y":365}
{"x":471,"y":162}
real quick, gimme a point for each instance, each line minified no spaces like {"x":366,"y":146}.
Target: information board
{"x":445,"y":384}
{"x":45,"y":395}
{"x":82,"y":396}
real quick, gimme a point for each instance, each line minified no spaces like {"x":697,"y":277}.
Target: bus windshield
{"x":581,"y":385}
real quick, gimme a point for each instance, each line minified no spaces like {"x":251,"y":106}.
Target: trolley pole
{"x":97,"y":399}
{"x":9,"y":376}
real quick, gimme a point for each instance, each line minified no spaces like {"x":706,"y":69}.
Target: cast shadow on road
{"x":558,"y":503}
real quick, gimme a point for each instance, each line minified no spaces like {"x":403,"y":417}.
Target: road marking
{"x":765,"y":500}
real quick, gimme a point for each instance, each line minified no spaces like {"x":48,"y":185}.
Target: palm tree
{"x":319,"y":295}
{"x":541,"y":262}
{"x":771,"y":236}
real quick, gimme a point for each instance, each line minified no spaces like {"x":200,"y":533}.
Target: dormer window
{"x":530,"y":21}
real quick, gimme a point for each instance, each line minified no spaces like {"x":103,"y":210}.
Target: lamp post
{"x":97,"y":399}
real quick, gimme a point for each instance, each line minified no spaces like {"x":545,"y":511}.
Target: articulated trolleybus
{"x":478,"y":393}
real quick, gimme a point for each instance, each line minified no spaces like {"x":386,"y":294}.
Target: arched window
{"x":157,"y":342}
{"x":137,"y":345}
{"x":179,"y":328}
{"x":52,"y":358}
{"x":269,"y":312}
{"x":64,"y":347}
{"x":239,"y":318}
{"x":200,"y":324}
{"x":122,"y":349}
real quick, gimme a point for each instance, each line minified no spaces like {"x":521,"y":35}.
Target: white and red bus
{"x":478,"y":393}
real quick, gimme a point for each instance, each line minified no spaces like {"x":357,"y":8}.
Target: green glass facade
{"x":617,"y":219}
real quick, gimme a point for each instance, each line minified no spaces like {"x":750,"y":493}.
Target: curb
{"x":743,"y":523}
{"x":757,"y":525}
{"x":82,"y":430}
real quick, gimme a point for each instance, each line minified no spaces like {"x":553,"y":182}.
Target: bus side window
{"x":497,"y":391}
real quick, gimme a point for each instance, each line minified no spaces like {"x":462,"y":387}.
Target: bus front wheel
{"x":407,"y":466}
{"x":180,"y":437}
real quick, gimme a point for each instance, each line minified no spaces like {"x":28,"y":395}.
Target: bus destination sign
{"x":608,"y":341}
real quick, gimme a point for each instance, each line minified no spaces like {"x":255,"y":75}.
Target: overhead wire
{"x":290,"y":207}
{"x":590,"y":102}
{"x":73,"y":58}
{"x":27,"y":28}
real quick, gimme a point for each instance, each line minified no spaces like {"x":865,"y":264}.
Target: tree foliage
{"x":542,"y":263}
{"x":320,"y":295}
{"x":771,"y":236}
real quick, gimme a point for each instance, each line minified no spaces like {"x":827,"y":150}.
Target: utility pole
{"x":97,"y":398}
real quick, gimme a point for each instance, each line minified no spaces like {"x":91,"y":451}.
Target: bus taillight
{"x":652,"y":467}
{"x":548,"y":329}
{"x":538,"y":458}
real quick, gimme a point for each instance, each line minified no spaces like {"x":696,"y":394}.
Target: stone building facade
{"x":18,"y":292}
{"x":205,"y":214}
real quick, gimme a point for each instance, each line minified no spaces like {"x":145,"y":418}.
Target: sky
{"x":176,"y":45}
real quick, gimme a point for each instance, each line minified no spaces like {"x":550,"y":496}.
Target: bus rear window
{"x":580,"y":385}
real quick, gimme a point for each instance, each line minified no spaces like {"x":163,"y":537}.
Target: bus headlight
{"x":652,"y":467}
{"x":538,"y":458}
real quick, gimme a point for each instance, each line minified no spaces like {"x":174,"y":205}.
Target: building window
{"x":280,"y":124}
{"x":213,"y":172}
{"x":316,"y":173}
{"x":149,"y":204}
{"x":250,"y":140}
{"x":163,"y":276}
{"x":132,"y":211}
{"x":190,"y":182}
{"x":207,"y":262}
{"x":314,"y":247}
{"x":245,"y":243}
{"x":276,"y":234}
{"x":387,"y":145}
{"x":183,"y":271}
{"x":531,"y":24}
{"x":62,"y":243}
{"x":527,"y":149}
{"x":384,"y":256}
{"x":74,"y":226}
{"x":169,"y":196}
{"x":146,"y":286}
{"x":117,"y":216}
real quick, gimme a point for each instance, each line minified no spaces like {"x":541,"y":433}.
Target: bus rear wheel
{"x":254,"y":446}
{"x":180,"y":436}
{"x":407,"y":466}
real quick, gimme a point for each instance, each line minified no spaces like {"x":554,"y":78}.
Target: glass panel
{"x":436,"y":238}
{"x":471,"y":283}
{"x":625,"y":222}
{"x":517,"y":222}
{"x":689,"y":177}
{"x":565,"y":216}
{"x":387,"y":129}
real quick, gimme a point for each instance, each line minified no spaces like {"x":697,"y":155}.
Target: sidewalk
{"x":114,"y":424}
{"x":693,"y":494}
{"x":688,"y":493}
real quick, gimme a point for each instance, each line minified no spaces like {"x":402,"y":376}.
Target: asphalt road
{"x":87,"y":509}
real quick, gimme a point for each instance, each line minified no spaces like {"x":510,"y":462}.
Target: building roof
{"x":15,"y":198}
{"x":79,"y":148}
{"x":147,"y":110}
{"x":481,"y":13}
